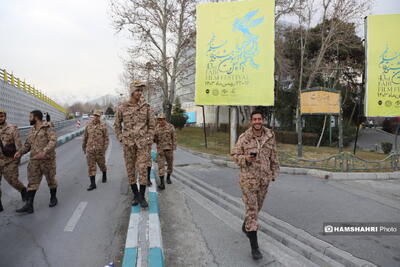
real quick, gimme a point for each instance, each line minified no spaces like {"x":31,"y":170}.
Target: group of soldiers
{"x":136,"y":129}
{"x":41,"y":143}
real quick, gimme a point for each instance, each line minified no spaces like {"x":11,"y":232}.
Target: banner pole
{"x":233,"y":128}
{"x":204,"y":127}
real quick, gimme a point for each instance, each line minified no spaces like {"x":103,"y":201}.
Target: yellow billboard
{"x":320,"y":101}
{"x":382,"y":98}
{"x":235,"y":53}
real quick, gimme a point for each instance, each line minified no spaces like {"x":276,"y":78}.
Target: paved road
{"x":371,"y":139}
{"x":302,"y":201}
{"x":56,"y":237}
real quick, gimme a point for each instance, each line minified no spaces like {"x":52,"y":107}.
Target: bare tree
{"x":331,"y":15}
{"x":163,"y":33}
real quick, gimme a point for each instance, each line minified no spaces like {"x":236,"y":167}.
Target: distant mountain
{"x":105,"y":100}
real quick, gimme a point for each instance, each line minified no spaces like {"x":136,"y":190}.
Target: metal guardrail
{"x":344,"y":162}
{"x":17,"y":82}
{"x":23,"y":131}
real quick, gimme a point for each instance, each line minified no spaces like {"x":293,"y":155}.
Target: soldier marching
{"x":165,"y":138}
{"x":9,"y":144}
{"x":134,"y":127}
{"x":41,"y":143}
{"x":94,"y":145}
{"x":255,"y":153}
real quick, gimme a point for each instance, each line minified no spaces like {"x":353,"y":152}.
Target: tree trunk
{"x":322,"y":132}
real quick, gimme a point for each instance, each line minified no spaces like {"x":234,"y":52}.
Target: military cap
{"x":97,"y":113}
{"x":161,"y":116}
{"x":3,"y":111}
{"x":137,"y":84}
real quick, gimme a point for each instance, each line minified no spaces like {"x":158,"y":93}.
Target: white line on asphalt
{"x":154,"y":231}
{"x":139,"y":258}
{"x":133,"y":229}
{"x":72,"y":222}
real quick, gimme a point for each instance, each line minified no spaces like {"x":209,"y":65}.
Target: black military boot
{"x":1,"y":206}
{"x":104,"y":180}
{"x":53,"y":197}
{"x":255,"y":251}
{"x":162,"y":185}
{"x":92,"y":183}
{"x":28,"y":207}
{"x":23,"y":194}
{"x":244,"y":228}
{"x":136,"y":194}
{"x":149,"y":183}
{"x":169,"y":178}
{"x":143,"y":202}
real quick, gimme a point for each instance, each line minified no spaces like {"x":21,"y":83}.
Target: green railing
{"x":345,"y":162}
{"x":17,"y":82}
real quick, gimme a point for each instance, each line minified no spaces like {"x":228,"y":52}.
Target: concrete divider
{"x":155,"y":255}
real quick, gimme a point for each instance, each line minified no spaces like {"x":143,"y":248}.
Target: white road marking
{"x":73,"y":221}
{"x":133,"y":230}
{"x":154,"y":231}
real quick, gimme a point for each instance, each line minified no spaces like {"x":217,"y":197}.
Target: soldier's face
{"x":257,"y":121}
{"x":96,"y":118}
{"x":161,"y":122}
{"x":2,"y":118}
{"x":137,"y":94}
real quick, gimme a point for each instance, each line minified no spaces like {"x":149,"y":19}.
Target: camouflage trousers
{"x":149,"y":163}
{"x":162,"y":156}
{"x":38,"y":168}
{"x":94,"y":158}
{"x":253,"y":200}
{"x":10,"y":173}
{"x":135,"y":157}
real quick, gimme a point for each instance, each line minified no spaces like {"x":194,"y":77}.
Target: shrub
{"x":178,"y":120}
{"x":386,"y":147}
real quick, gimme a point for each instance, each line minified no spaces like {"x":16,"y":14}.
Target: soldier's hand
{"x":40,"y":155}
{"x":17,"y":155}
{"x":250,"y":159}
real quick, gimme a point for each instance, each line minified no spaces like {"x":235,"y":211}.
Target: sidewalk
{"x":205,"y":199}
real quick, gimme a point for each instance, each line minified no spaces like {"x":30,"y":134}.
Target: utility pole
{"x":233,"y":128}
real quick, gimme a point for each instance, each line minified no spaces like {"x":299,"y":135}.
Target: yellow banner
{"x":320,"y":102}
{"x":235,"y":53}
{"x":383,"y":66}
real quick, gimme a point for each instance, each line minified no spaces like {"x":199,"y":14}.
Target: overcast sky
{"x":68,"y":49}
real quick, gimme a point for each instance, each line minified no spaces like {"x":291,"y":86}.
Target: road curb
{"x":312,"y":248}
{"x":225,"y":162}
{"x":155,"y":257}
{"x":60,"y":141}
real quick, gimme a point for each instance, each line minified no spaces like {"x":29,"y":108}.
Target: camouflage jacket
{"x":8,"y":135}
{"x":134,"y":124}
{"x":40,"y":140}
{"x":266,"y":165}
{"x":165,"y":137}
{"x":95,"y":138}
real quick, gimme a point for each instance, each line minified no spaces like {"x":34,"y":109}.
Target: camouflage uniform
{"x":165,"y":138}
{"x":43,"y":139}
{"x":95,"y":144}
{"x":134,"y":127}
{"x":8,"y":165}
{"x":255,"y":176}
